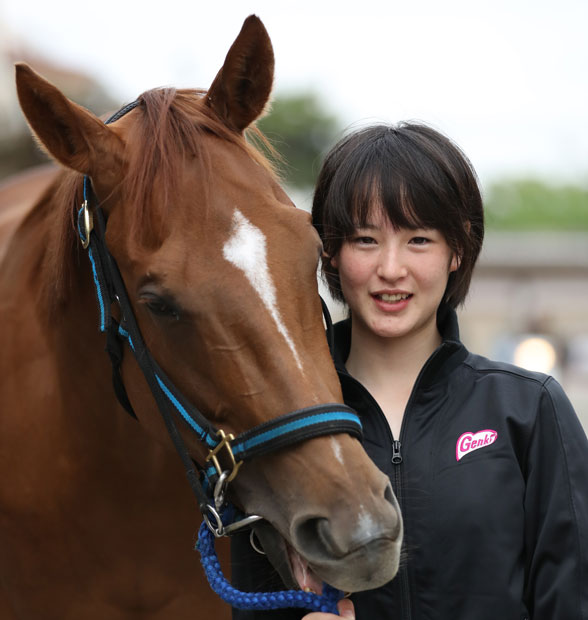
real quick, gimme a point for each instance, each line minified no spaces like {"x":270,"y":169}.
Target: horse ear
{"x":68,"y":132}
{"x":242,"y":87}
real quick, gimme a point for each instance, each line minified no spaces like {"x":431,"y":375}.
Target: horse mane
{"x":166,"y":131}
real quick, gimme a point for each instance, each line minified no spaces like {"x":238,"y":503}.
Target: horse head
{"x":220,"y":270}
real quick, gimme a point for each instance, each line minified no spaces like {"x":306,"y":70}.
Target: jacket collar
{"x":442,"y":361}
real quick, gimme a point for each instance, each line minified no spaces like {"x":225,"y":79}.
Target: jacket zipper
{"x":397,"y":459}
{"x":396,"y":455}
{"x":403,"y":575}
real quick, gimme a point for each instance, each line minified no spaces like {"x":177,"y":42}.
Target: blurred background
{"x":507,"y":80}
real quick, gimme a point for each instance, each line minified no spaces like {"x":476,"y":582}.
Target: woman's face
{"x":394,"y":280}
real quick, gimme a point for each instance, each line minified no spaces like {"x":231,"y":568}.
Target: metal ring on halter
{"x":254,"y":544}
{"x":237,"y":525}
{"x":219,"y":530}
{"x":220,"y":488}
{"x":88,"y":224}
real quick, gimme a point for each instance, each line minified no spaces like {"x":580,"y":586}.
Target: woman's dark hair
{"x":421,"y":179}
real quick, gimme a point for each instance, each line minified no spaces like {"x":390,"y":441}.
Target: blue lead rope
{"x":327,"y":602}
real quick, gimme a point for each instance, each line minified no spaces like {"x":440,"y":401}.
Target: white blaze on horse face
{"x":246,"y":249}
{"x":337,"y":450}
{"x":365,"y":525}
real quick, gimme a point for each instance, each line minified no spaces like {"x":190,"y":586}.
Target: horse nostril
{"x":316,"y":538}
{"x":329,"y":541}
{"x":349,"y":529}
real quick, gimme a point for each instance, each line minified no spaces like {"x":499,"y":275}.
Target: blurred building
{"x":528,"y":305}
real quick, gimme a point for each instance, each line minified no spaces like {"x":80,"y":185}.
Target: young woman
{"x":489,"y":462}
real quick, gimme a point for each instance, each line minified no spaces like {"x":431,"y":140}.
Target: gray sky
{"x":507,"y":79}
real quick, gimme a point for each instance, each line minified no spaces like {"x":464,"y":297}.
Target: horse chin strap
{"x":226,"y":452}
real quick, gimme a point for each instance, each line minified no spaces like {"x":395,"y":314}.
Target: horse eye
{"x":159,"y":306}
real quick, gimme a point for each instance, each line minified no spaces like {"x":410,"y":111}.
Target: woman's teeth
{"x":394,"y":298}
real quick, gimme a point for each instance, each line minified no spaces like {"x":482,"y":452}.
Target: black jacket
{"x":491,"y":473}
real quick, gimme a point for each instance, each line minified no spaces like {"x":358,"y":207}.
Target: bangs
{"x":395,"y":188}
{"x":379,"y":193}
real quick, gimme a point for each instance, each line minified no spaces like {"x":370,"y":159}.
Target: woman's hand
{"x":345,"y":607}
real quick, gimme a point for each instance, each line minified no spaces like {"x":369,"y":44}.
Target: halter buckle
{"x":87,"y":225}
{"x":225,"y":442}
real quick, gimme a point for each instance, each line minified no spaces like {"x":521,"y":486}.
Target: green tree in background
{"x":531,"y":204}
{"x":301,"y":130}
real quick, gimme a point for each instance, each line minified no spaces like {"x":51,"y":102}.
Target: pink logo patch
{"x":468,"y":442}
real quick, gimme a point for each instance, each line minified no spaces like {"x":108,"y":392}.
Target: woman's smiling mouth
{"x":392,"y":297}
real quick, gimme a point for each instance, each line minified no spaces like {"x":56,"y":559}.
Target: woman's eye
{"x":364,"y":240}
{"x":419,"y":240}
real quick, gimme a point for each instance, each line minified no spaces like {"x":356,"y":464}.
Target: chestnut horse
{"x":96,"y":518}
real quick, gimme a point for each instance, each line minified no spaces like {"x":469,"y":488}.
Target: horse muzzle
{"x":351,"y":553}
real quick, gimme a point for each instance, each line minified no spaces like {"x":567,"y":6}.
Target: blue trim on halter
{"x":327,"y":602}
{"x":240,"y":446}
{"x":268,"y":436}
{"x":98,"y":291}
{"x":202,"y":434}
{"x":94,"y":270}
{"x":125,"y":334}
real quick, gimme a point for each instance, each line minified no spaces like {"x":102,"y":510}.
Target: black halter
{"x":209,"y":483}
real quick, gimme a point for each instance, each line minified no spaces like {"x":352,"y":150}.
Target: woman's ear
{"x":334,"y":262}
{"x":456,"y":258}
{"x":455,"y":263}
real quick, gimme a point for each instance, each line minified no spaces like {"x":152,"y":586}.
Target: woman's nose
{"x":391,"y":265}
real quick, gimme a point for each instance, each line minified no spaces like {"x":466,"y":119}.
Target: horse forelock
{"x":167,"y":132}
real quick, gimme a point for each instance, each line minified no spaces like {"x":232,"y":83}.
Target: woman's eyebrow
{"x":367,"y":226}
